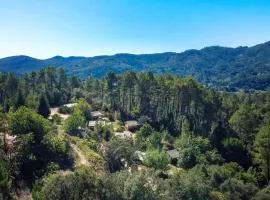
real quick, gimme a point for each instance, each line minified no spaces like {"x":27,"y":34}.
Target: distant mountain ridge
{"x":215,"y":66}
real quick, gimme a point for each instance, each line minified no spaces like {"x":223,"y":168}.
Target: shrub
{"x":65,"y":110}
{"x":156,"y":159}
{"x":56,"y":119}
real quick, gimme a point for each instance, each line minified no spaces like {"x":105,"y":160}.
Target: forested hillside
{"x":218,"y":67}
{"x":131,"y":136}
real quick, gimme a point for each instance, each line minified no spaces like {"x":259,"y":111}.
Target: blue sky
{"x":45,"y":28}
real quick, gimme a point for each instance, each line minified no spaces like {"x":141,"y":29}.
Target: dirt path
{"x":81,"y":158}
{"x":55,"y":111}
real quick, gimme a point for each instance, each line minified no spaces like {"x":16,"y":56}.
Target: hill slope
{"x":233,"y":68}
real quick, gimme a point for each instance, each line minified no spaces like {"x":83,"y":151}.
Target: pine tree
{"x":43,"y":107}
{"x":262,"y":147}
{"x":20,"y":100}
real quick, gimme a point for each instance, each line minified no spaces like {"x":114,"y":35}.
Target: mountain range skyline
{"x":215,"y":66}
{"x":127,"y":53}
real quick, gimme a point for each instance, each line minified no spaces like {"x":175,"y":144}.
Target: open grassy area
{"x":94,"y":160}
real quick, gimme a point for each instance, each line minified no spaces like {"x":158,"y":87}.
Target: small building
{"x":96,"y":114}
{"x":70,"y":105}
{"x":174,"y":155}
{"x":124,"y":135}
{"x":132,"y":125}
{"x":92,"y":124}
{"x":140,"y":155}
{"x":106,"y":119}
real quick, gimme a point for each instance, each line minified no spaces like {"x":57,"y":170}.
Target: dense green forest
{"x":223,"y":68}
{"x":189,"y":142}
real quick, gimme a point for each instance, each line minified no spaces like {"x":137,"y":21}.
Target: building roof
{"x":92,"y":123}
{"x":100,"y":122}
{"x":96,"y":114}
{"x":132,"y":123}
{"x":106,"y":119}
{"x":124,"y":134}
{"x":140,"y":154}
{"x":173,"y":153}
{"x":70,"y":105}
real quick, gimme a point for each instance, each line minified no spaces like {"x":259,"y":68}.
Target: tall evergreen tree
{"x":43,"y":107}
{"x":262,"y":147}
{"x":245,"y":121}
{"x":20,"y":100}
{"x":111,"y":85}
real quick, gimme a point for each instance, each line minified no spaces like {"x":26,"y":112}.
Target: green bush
{"x":5,"y":180}
{"x":65,"y":110}
{"x":156,"y":159}
{"x":74,"y":123}
{"x":56,"y":119}
{"x":81,"y":184}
